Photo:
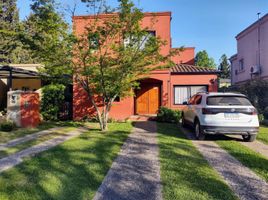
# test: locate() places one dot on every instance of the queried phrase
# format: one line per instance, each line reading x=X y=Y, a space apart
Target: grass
x=263 y=134
x=249 y=158
x=185 y=174
x=30 y=143
x=20 y=132
x=73 y=170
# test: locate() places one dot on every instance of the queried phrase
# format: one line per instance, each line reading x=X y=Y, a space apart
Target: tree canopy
x=12 y=50
x=202 y=59
x=49 y=39
x=224 y=67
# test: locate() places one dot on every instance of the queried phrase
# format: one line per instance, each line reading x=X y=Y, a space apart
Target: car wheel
x=249 y=138
x=183 y=124
x=199 y=134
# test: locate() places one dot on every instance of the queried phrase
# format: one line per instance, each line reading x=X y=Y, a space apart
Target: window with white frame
x=184 y=93
x=142 y=42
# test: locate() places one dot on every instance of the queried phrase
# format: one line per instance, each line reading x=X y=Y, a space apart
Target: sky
x=209 y=25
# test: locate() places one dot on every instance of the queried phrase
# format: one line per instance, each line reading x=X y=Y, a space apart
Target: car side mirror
x=185 y=103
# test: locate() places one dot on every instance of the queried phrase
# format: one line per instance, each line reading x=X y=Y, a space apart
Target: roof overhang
x=192 y=70
x=8 y=71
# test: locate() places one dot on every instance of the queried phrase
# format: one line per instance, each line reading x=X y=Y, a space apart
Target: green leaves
x=203 y=60
x=52 y=100
x=48 y=37
x=224 y=67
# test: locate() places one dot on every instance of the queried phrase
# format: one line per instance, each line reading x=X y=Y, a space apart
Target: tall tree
x=9 y=21
x=113 y=55
x=224 y=67
x=49 y=39
x=202 y=59
x=12 y=49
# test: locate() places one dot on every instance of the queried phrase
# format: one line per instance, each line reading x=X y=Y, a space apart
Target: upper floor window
x=241 y=65
x=140 y=42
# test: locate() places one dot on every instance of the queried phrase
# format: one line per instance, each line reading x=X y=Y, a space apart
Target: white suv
x=221 y=113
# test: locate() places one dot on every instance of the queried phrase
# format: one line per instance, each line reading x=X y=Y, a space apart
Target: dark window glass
x=228 y=101
x=241 y=64
x=117 y=99
x=198 y=99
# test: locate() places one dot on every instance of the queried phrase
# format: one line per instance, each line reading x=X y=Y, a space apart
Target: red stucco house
x=170 y=87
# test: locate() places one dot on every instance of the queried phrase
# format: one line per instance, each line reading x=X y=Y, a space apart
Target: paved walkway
x=27 y=138
x=245 y=183
x=135 y=174
x=15 y=159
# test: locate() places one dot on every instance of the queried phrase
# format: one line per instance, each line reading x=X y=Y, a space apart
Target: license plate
x=231 y=115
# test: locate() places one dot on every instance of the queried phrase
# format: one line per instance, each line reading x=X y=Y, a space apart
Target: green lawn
x=249 y=158
x=73 y=170
x=36 y=141
x=263 y=134
x=20 y=132
x=185 y=174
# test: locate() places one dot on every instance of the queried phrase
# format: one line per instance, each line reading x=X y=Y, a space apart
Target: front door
x=147 y=100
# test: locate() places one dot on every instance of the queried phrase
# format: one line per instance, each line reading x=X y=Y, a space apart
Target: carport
x=9 y=72
x=14 y=72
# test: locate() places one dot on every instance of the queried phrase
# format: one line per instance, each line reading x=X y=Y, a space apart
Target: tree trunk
x=106 y=114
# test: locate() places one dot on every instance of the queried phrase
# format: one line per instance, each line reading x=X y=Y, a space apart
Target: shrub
x=167 y=115
x=52 y=100
x=255 y=91
x=7 y=126
x=264 y=122
x=265 y=113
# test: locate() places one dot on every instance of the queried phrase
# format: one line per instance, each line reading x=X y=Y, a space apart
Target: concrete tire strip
x=244 y=182
x=14 y=159
x=135 y=173
x=27 y=138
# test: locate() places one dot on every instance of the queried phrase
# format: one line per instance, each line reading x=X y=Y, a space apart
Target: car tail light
x=253 y=111
x=208 y=111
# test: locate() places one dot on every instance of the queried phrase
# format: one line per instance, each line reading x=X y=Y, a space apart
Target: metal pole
x=10 y=79
x=259 y=40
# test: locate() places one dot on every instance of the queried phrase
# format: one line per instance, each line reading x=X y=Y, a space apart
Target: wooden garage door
x=147 y=101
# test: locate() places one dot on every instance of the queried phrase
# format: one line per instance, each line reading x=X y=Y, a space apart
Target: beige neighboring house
x=251 y=60
x=18 y=77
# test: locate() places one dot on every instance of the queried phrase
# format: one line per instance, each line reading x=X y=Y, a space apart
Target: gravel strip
x=14 y=159
x=245 y=183
x=135 y=174
x=27 y=138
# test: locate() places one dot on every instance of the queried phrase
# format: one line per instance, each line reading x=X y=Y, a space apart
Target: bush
x=167 y=115
x=52 y=100
x=254 y=90
x=264 y=122
x=7 y=126
x=265 y=113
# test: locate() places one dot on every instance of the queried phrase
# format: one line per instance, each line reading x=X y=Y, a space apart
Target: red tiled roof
x=190 y=69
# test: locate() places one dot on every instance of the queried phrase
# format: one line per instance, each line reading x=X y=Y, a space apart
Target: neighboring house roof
x=16 y=72
x=252 y=26
x=190 y=69
x=233 y=57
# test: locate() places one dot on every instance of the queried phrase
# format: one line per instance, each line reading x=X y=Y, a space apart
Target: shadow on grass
x=185 y=173
x=73 y=170
x=249 y=158
x=190 y=132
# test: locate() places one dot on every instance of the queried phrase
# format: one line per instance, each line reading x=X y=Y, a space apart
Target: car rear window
x=228 y=101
